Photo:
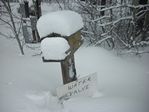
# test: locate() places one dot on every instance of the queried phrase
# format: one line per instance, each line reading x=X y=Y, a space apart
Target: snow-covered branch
x=102 y=40
x=123 y=42
x=116 y=21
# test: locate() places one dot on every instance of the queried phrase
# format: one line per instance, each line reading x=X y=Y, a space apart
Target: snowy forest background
x=112 y=24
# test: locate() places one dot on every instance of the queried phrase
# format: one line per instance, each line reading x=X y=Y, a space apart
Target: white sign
x=85 y=86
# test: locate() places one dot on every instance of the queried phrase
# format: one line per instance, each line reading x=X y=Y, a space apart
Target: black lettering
x=72 y=86
x=79 y=91
x=69 y=87
x=75 y=92
x=86 y=87
x=83 y=88
x=79 y=83
x=75 y=85
x=84 y=81
x=89 y=79
x=69 y=94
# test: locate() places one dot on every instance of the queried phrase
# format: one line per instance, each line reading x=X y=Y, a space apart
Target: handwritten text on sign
x=85 y=86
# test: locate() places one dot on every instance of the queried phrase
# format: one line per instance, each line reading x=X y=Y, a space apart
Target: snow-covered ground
x=29 y=85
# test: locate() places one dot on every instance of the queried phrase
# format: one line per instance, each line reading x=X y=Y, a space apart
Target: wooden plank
x=68 y=69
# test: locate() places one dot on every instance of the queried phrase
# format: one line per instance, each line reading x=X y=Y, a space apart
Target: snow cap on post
x=54 y=48
x=63 y=23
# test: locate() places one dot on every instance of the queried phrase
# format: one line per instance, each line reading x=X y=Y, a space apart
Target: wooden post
x=103 y=3
x=26 y=6
x=35 y=35
x=68 y=70
x=22 y=10
x=38 y=8
x=26 y=33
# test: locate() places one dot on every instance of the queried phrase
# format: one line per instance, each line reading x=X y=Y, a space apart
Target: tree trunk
x=8 y=8
x=103 y=3
x=143 y=2
x=135 y=2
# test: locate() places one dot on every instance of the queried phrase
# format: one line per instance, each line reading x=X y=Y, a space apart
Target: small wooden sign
x=85 y=86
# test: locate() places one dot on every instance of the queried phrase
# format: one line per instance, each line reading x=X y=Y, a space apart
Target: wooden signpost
x=68 y=64
x=72 y=37
x=66 y=45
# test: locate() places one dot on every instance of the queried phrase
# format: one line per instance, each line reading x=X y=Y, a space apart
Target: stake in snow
x=61 y=37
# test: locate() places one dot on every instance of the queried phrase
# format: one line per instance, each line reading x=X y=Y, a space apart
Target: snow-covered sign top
x=64 y=23
x=54 y=48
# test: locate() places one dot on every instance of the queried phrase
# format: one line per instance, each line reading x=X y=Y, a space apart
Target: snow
x=47 y=8
x=63 y=22
x=30 y=2
x=29 y=85
x=81 y=104
x=54 y=48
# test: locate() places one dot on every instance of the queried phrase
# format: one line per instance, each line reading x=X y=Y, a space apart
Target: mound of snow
x=54 y=48
x=64 y=23
x=103 y=104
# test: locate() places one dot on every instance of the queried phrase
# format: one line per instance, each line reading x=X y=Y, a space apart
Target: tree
x=143 y=2
x=11 y=23
x=103 y=3
x=142 y=21
x=112 y=23
x=141 y=16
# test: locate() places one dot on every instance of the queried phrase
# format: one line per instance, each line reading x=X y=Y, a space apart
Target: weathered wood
x=68 y=70
x=22 y=10
x=35 y=34
x=26 y=35
x=45 y=60
x=38 y=8
x=68 y=64
x=103 y=3
x=26 y=6
x=75 y=41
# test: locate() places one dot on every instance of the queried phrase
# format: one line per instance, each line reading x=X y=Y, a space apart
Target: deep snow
x=29 y=85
